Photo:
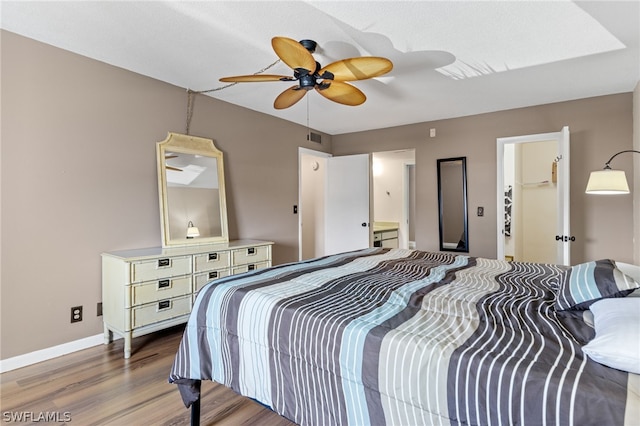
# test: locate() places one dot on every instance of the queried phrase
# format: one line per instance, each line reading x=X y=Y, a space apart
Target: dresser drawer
x=393 y=243
x=204 y=278
x=160 y=310
x=250 y=255
x=211 y=260
x=161 y=289
x=385 y=235
x=250 y=267
x=163 y=267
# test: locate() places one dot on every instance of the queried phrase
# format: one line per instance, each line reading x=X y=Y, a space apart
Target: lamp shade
x=192 y=231
x=607 y=182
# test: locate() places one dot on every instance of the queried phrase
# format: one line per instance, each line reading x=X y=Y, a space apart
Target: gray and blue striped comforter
x=401 y=337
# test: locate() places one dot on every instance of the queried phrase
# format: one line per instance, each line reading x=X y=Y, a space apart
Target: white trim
x=50 y=353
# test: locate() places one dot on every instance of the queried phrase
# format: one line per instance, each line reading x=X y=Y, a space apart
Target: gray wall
x=78 y=177
x=78 y=174
x=600 y=127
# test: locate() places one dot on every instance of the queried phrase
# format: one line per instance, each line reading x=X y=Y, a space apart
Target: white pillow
x=617 y=341
x=633 y=271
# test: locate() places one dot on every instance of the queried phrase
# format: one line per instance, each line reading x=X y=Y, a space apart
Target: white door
x=347 y=203
x=564 y=236
x=559 y=166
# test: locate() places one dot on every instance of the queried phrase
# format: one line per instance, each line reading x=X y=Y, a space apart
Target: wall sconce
x=192 y=231
x=608 y=181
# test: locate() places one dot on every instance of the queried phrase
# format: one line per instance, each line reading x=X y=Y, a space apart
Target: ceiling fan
x=168 y=167
x=330 y=81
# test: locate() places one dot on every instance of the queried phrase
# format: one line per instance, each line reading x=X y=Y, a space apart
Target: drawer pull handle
x=164 y=263
x=213 y=274
x=164 y=284
x=165 y=304
x=213 y=256
x=251 y=267
x=251 y=251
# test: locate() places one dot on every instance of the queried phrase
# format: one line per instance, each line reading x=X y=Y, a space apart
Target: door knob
x=364 y=224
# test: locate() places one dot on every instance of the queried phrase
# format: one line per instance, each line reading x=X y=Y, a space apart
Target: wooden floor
x=97 y=386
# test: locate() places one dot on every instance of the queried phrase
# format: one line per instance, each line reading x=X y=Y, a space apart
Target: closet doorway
x=394 y=193
x=376 y=189
x=533 y=198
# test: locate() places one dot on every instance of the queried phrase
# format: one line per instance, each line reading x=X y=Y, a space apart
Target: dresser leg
x=108 y=335
x=127 y=345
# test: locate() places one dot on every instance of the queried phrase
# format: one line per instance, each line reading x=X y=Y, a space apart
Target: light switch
x=480 y=211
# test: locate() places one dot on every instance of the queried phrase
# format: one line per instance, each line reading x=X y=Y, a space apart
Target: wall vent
x=314 y=137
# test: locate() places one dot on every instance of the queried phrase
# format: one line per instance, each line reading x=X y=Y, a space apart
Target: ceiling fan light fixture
x=310 y=45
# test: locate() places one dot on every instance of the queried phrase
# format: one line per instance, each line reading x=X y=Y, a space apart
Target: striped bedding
x=401 y=337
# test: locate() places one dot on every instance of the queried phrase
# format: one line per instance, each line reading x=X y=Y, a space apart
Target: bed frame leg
x=195 y=408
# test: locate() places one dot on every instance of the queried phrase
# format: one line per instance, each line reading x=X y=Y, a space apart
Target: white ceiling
x=451 y=59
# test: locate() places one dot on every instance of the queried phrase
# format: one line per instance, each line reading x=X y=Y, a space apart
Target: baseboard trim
x=50 y=353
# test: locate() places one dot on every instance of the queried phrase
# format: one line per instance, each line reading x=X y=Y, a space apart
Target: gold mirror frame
x=188 y=193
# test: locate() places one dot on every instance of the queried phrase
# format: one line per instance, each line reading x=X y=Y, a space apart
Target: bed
x=407 y=337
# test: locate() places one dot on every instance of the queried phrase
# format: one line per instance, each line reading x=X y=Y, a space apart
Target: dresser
x=150 y=289
x=385 y=234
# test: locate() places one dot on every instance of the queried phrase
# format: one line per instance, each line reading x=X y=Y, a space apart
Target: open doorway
x=394 y=198
x=390 y=175
x=533 y=196
x=311 y=181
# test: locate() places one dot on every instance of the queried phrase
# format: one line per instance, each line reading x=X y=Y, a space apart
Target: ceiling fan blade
x=342 y=93
x=289 y=97
x=166 y=157
x=256 y=78
x=173 y=168
x=358 y=68
x=293 y=53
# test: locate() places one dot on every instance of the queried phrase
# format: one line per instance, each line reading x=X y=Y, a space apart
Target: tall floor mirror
x=452 y=202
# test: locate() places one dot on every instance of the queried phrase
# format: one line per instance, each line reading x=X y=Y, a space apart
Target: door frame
x=562 y=137
x=406 y=216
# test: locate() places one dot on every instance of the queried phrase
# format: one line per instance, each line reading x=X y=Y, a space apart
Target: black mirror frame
x=463 y=245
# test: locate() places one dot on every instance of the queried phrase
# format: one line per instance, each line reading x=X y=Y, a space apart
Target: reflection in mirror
x=192 y=194
x=452 y=201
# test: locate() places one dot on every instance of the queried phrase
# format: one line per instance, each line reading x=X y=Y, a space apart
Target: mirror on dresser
x=452 y=202
x=192 y=191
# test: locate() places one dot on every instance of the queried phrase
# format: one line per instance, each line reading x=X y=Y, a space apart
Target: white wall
x=311 y=208
x=538 y=202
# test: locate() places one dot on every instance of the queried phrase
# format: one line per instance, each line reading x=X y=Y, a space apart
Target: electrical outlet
x=99 y=309
x=76 y=314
